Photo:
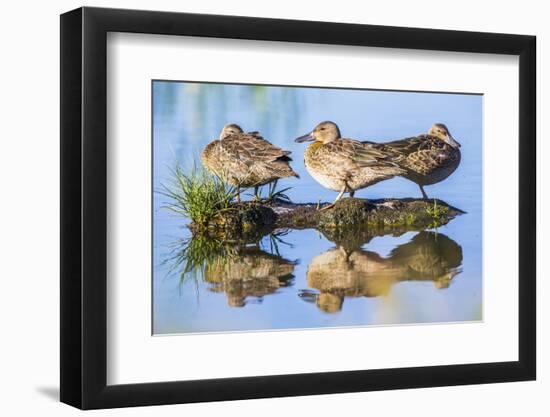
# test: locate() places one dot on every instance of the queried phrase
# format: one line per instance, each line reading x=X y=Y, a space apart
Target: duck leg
x=339 y=196
x=238 y=196
x=337 y=199
x=351 y=193
x=424 y=195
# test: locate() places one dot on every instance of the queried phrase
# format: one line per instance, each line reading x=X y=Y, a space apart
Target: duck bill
x=306 y=138
x=451 y=141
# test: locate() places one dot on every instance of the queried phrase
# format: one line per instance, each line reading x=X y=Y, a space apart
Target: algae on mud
x=250 y=220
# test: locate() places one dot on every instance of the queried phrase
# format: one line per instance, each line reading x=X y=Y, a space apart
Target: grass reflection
x=243 y=270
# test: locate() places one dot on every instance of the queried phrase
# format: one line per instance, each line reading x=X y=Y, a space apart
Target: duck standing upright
x=426 y=159
x=346 y=165
x=246 y=159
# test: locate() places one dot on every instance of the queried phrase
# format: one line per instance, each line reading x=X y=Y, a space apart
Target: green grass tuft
x=198 y=195
x=438 y=215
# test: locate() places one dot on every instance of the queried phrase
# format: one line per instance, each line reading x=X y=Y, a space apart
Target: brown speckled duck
x=426 y=159
x=346 y=165
x=246 y=159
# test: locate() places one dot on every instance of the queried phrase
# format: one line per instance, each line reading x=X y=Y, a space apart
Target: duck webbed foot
x=328 y=206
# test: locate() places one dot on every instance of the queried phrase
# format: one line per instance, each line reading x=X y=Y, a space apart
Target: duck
x=246 y=160
x=427 y=158
x=343 y=164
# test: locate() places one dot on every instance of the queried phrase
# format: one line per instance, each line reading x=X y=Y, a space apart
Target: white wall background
x=29 y=220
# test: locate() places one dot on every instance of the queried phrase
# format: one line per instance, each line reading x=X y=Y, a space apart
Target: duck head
x=324 y=132
x=230 y=129
x=440 y=131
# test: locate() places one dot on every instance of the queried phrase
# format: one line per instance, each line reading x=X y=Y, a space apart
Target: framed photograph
x=255 y=208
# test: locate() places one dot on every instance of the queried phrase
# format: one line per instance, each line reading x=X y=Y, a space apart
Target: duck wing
x=252 y=147
x=422 y=153
x=403 y=147
x=346 y=157
x=369 y=154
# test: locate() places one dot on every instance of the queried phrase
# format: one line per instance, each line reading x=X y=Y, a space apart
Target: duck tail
x=289 y=172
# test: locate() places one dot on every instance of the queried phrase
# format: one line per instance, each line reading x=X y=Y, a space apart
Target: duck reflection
x=353 y=272
x=243 y=270
x=250 y=272
x=429 y=256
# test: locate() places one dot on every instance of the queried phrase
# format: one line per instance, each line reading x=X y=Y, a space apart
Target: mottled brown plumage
x=346 y=165
x=426 y=159
x=246 y=159
x=250 y=272
x=339 y=273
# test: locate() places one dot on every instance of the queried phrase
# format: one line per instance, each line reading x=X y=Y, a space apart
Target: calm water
x=301 y=279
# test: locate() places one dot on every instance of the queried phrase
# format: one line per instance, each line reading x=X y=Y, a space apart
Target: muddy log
x=252 y=220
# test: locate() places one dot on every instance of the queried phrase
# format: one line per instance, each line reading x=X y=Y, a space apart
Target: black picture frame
x=84 y=207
